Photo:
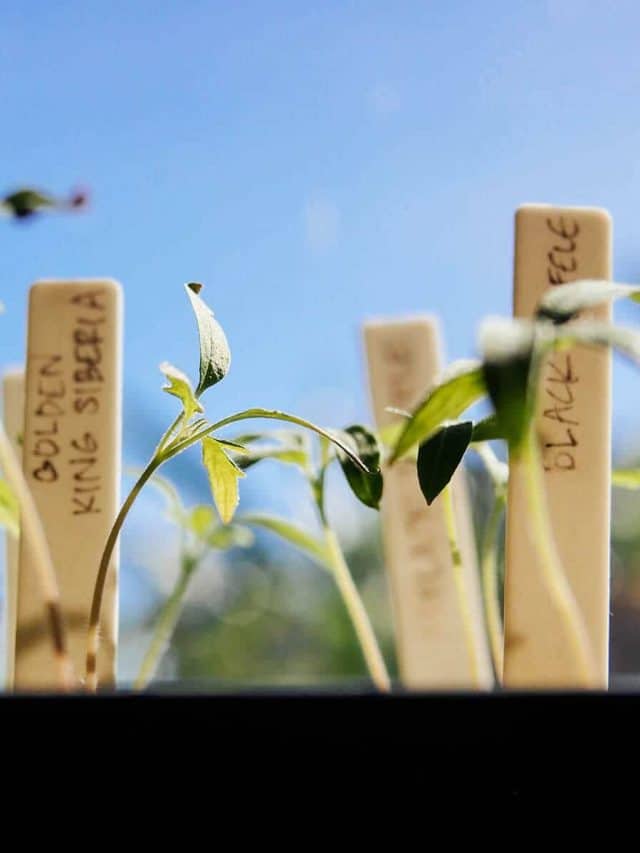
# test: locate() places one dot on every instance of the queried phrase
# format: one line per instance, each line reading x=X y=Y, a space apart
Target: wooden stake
x=555 y=245
x=434 y=649
x=72 y=463
x=13 y=415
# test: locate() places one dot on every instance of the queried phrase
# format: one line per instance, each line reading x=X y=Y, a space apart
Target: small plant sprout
x=190 y=428
x=512 y=352
x=200 y=533
x=293 y=448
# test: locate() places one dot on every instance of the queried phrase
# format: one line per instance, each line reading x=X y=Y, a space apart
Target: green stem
x=461 y=587
x=357 y=612
x=489 y=568
x=166 y=623
x=552 y=570
x=93 y=639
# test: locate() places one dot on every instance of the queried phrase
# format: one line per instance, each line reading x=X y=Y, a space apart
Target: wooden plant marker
x=404 y=360
x=71 y=457
x=555 y=245
x=13 y=416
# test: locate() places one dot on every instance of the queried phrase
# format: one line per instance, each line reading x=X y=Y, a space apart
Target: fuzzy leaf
x=439 y=457
x=367 y=487
x=291 y=533
x=460 y=387
x=9 y=509
x=561 y=304
x=223 y=478
x=215 y=355
x=626 y=478
x=180 y=386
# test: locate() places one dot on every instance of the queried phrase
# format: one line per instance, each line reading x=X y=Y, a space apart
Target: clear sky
x=313 y=163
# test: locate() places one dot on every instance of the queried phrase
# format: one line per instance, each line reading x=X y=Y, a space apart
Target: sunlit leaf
x=215 y=355
x=461 y=386
x=439 y=457
x=226 y=536
x=291 y=533
x=561 y=304
x=180 y=386
x=223 y=478
x=9 y=509
x=366 y=486
x=626 y=478
x=201 y=519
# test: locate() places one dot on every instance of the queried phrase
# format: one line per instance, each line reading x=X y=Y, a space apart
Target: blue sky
x=313 y=163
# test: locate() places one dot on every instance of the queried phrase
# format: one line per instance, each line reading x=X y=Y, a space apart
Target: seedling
x=190 y=428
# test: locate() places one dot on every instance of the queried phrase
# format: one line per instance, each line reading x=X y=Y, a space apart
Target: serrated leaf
x=488 y=429
x=367 y=487
x=626 y=478
x=215 y=355
x=9 y=509
x=226 y=536
x=461 y=386
x=562 y=303
x=223 y=478
x=291 y=533
x=180 y=386
x=439 y=457
x=274 y=414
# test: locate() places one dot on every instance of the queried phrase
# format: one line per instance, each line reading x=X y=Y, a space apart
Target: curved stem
x=461 y=587
x=35 y=539
x=93 y=636
x=553 y=574
x=359 y=617
x=166 y=623
x=489 y=569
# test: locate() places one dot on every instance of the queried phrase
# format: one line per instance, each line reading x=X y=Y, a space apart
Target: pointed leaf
x=9 y=509
x=626 y=478
x=291 y=533
x=180 y=386
x=223 y=478
x=461 y=386
x=366 y=486
x=562 y=303
x=215 y=355
x=439 y=457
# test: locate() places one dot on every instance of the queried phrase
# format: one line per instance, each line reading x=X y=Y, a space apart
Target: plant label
x=71 y=458
x=404 y=360
x=555 y=245
x=13 y=415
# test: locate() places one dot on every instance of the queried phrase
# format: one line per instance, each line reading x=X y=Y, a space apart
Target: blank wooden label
x=554 y=246
x=71 y=459
x=404 y=360
x=13 y=416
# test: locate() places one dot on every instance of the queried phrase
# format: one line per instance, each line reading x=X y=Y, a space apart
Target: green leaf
x=215 y=355
x=439 y=457
x=488 y=429
x=562 y=303
x=9 y=509
x=367 y=487
x=461 y=386
x=226 y=536
x=273 y=414
x=200 y=520
x=223 y=478
x=291 y=533
x=180 y=386
x=626 y=478
x=507 y=349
